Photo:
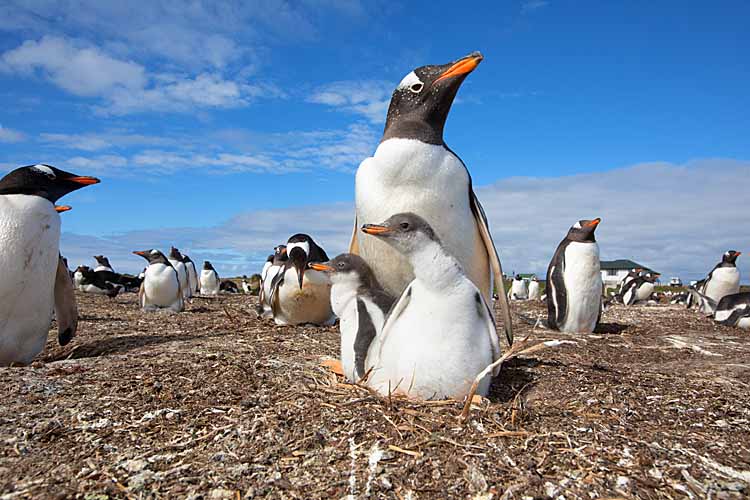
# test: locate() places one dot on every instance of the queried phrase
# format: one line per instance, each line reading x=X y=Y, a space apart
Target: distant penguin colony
x=413 y=295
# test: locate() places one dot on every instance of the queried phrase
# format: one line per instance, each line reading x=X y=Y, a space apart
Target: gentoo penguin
x=209 y=279
x=440 y=334
x=78 y=277
x=574 y=281
x=175 y=258
x=298 y=294
x=66 y=309
x=632 y=274
x=94 y=282
x=103 y=264
x=245 y=284
x=413 y=170
x=534 y=289
x=228 y=286
x=274 y=264
x=161 y=288
x=731 y=310
x=639 y=289
x=192 y=275
x=29 y=257
x=519 y=290
x=724 y=279
x=361 y=305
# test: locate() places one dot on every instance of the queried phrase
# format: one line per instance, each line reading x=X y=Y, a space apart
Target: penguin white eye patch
x=305 y=246
x=45 y=170
x=412 y=82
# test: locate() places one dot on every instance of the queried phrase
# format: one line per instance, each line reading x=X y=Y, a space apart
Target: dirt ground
x=213 y=403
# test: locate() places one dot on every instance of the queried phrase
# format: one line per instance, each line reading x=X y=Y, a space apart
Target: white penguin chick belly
x=724 y=281
x=161 y=289
x=440 y=334
x=209 y=283
x=29 y=246
x=406 y=175
x=310 y=304
x=583 y=283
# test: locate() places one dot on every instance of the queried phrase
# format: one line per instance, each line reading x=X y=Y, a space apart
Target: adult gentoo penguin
x=440 y=334
x=574 y=282
x=731 y=310
x=175 y=258
x=273 y=265
x=29 y=257
x=519 y=290
x=413 y=170
x=639 y=289
x=161 y=288
x=298 y=294
x=209 y=279
x=724 y=279
x=192 y=275
x=361 y=305
x=534 y=289
x=102 y=264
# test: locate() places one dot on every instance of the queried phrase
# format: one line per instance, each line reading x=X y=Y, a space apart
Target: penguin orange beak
x=62 y=208
x=84 y=180
x=142 y=253
x=738 y=254
x=376 y=229
x=594 y=222
x=462 y=66
x=321 y=267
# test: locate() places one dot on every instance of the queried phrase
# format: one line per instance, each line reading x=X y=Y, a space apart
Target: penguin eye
x=404 y=225
x=340 y=265
x=417 y=87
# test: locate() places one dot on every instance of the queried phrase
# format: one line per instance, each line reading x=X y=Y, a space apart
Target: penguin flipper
x=354 y=242
x=497 y=268
x=557 y=297
x=66 y=310
x=365 y=334
x=735 y=317
x=276 y=282
x=631 y=288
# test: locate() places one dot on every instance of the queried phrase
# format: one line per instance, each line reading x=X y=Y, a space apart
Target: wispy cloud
x=10 y=135
x=368 y=98
x=677 y=219
x=532 y=5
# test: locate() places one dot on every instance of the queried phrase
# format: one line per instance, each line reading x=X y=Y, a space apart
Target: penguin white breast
x=519 y=289
x=29 y=246
x=310 y=304
x=161 y=285
x=724 y=281
x=209 y=282
x=534 y=290
x=644 y=291
x=583 y=285
x=407 y=175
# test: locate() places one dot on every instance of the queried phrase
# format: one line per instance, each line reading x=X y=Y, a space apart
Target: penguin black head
x=730 y=257
x=350 y=268
x=405 y=231
x=421 y=102
x=583 y=231
x=279 y=253
x=301 y=249
x=175 y=254
x=651 y=277
x=207 y=266
x=518 y=277
x=43 y=180
x=102 y=260
x=186 y=259
x=153 y=256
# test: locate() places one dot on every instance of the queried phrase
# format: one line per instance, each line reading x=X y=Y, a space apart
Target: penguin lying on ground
x=30 y=258
x=731 y=310
x=361 y=305
x=210 y=281
x=724 y=279
x=298 y=294
x=161 y=288
x=228 y=286
x=639 y=289
x=440 y=334
x=90 y=281
x=102 y=264
x=413 y=170
x=274 y=264
x=519 y=290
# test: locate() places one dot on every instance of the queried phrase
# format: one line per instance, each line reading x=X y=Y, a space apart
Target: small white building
x=613 y=271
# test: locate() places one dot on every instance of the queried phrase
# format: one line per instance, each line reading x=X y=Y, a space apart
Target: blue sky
x=224 y=127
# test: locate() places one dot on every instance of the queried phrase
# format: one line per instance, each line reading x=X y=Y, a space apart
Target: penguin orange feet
x=333 y=365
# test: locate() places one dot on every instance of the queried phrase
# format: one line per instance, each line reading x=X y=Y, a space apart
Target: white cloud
x=10 y=135
x=368 y=98
x=676 y=219
x=531 y=5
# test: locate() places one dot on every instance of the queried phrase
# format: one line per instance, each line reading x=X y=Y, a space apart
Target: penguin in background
x=731 y=310
x=273 y=265
x=90 y=281
x=209 y=279
x=440 y=334
x=518 y=289
x=192 y=275
x=639 y=289
x=724 y=279
x=632 y=274
x=66 y=308
x=413 y=170
x=245 y=285
x=574 y=283
x=102 y=264
x=30 y=258
x=175 y=259
x=298 y=294
x=534 y=288
x=361 y=305
x=161 y=287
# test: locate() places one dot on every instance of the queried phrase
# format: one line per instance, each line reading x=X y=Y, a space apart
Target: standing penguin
x=161 y=288
x=519 y=290
x=274 y=264
x=210 y=281
x=29 y=256
x=534 y=289
x=192 y=275
x=175 y=258
x=413 y=170
x=361 y=305
x=440 y=334
x=724 y=279
x=298 y=294
x=102 y=264
x=574 y=281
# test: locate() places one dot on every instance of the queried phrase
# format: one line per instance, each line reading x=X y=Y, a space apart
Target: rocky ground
x=213 y=403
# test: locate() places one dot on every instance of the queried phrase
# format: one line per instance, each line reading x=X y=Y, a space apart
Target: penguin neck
x=402 y=128
x=434 y=267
